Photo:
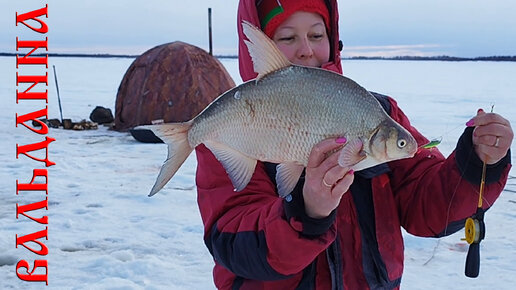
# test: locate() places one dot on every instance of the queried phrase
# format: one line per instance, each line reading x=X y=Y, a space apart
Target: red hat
x=273 y=12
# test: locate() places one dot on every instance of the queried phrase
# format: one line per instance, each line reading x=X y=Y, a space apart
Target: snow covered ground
x=105 y=233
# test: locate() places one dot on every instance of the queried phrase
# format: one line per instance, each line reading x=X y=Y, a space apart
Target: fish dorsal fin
x=265 y=54
x=239 y=167
x=287 y=176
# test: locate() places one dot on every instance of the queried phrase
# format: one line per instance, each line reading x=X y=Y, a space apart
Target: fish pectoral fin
x=351 y=153
x=287 y=176
x=265 y=54
x=239 y=167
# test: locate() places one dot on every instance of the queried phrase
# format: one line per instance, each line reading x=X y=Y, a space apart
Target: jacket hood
x=247 y=11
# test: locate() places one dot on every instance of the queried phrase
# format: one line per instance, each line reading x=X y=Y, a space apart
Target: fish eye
x=402 y=143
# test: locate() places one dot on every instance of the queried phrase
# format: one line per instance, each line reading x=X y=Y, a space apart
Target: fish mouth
x=411 y=141
x=414 y=151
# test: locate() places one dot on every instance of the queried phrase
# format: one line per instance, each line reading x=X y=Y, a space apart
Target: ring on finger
x=497 y=142
x=326 y=184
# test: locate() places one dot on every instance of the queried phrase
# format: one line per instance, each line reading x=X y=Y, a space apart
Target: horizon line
x=400 y=57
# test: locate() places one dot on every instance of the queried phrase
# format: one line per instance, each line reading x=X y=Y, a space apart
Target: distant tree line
x=97 y=55
x=441 y=58
x=438 y=58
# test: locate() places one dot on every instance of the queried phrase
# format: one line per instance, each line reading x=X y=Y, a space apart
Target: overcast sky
x=465 y=28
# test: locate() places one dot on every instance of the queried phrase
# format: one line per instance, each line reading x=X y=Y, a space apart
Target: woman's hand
x=492 y=136
x=325 y=181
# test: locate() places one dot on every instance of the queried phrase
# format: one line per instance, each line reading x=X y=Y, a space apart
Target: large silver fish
x=279 y=117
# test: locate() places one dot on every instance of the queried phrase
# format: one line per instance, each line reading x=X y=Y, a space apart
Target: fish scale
x=279 y=117
x=287 y=118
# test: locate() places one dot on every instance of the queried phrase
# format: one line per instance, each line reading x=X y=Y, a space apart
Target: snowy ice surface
x=105 y=233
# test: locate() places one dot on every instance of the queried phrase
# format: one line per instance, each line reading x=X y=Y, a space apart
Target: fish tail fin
x=175 y=135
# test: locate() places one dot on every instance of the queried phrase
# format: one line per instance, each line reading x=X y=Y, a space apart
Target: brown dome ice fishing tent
x=172 y=82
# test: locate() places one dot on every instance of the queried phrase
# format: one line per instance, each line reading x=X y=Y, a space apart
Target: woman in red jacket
x=341 y=229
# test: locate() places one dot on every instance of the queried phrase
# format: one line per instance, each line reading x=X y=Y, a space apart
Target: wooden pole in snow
x=209 y=31
x=58 y=97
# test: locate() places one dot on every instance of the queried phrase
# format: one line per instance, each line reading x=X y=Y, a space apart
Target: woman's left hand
x=492 y=136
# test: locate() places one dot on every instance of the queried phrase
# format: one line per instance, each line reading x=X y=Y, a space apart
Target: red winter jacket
x=260 y=241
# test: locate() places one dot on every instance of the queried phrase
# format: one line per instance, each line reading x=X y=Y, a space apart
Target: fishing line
x=448 y=214
x=483 y=199
x=437 y=140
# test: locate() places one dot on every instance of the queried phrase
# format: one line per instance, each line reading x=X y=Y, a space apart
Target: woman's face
x=303 y=39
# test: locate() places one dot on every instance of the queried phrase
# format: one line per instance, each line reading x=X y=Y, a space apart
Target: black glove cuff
x=470 y=165
x=295 y=212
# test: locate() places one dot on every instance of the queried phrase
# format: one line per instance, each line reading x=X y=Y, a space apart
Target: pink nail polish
x=470 y=123
x=341 y=140
x=351 y=172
